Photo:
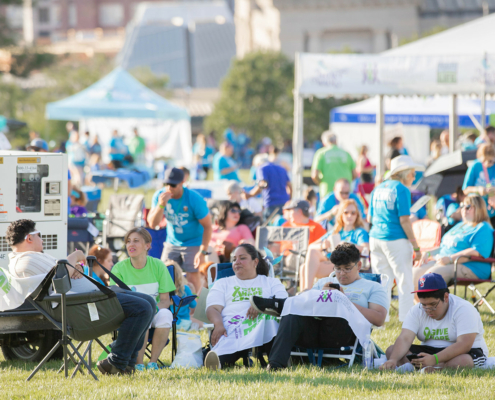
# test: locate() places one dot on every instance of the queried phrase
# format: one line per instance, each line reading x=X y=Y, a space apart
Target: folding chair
x=79 y=316
x=316 y=355
x=428 y=234
x=177 y=303
x=299 y=237
x=478 y=298
x=124 y=213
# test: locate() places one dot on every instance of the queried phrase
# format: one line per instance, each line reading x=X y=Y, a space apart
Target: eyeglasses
x=466 y=206
x=33 y=233
x=172 y=185
x=350 y=212
x=344 y=193
x=344 y=270
x=235 y=210
x=432 y=308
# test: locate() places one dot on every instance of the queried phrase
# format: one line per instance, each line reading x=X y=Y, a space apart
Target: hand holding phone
x=411 y=357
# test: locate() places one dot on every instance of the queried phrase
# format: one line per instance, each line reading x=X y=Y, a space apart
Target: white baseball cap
x=401 y=163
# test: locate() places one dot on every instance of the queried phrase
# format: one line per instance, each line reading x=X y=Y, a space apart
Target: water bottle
x=368 y=353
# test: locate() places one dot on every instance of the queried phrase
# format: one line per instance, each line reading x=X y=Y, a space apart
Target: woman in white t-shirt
x=238 y=326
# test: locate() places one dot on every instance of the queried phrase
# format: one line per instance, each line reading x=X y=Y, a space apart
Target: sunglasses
x=235 y=210
x=350 y=212
x=172 y=185
x=33 y=233
x=467 y=207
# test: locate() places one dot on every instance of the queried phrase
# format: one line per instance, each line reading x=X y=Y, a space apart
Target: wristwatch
x=205 y=253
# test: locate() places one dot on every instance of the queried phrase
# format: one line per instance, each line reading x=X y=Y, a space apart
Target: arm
x=375 y=314
x=463 y=344
x=289 y=189
x=254 y=192
x=214 y=314
x=228 y=170
x=315 y=175
x=74 y=259
x=459 y=255
x=401 y=348
x=155 y=215
x=405 y=222
x=199 y=258
x=164 y=301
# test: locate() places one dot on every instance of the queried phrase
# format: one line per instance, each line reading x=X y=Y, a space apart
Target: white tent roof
x=472 y=38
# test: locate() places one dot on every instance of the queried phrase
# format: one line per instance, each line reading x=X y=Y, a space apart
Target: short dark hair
x=262 y=268
x=489 y=128
x=17 y=231
x=345 y=254
x=437 y=294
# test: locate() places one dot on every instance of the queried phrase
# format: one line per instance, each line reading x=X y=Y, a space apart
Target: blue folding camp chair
x=316 y=355
x=177 y=303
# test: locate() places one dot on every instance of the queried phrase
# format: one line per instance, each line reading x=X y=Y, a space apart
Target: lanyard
x=176 y=211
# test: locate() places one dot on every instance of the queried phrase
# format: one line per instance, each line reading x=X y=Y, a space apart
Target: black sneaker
x=271 y=306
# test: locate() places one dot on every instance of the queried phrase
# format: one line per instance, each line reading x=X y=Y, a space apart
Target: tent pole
x=483 y=112
x=298 y=135
x=380 y=124
x=453 y=123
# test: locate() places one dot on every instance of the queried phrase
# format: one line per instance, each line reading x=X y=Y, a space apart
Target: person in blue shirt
x=480 y=178
x=488 y=137
x=118 y=150
x=329 y=206
x=188 y=224
x=203 y=151
x=447 y=210
x=471 y=237
x=274 y=184
x=392 y=241
x=224 y=167
x=104 y=257
x=349 y=227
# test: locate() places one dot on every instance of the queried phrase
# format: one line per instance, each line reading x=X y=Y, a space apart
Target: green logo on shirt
x=242 y=294
x=436 y=334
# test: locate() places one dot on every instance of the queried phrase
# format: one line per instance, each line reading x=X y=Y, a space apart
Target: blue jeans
x=139 y=310
x=268 y=211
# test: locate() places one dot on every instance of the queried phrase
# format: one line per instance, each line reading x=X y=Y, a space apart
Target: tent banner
x=365 y=74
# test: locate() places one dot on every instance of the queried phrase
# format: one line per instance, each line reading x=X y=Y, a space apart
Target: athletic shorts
x=479 y=358
x=184 y=256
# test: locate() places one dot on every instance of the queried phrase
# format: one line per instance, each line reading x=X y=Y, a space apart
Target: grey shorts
x=184 y=256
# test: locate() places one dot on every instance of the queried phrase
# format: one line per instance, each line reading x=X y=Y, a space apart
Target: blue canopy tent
x=119 y=101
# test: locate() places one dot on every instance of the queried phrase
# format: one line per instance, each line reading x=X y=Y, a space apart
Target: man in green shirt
x=330 y=164
x=137 y=146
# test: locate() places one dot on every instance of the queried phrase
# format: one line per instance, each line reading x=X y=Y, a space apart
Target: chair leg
x=47 y=357
x=71 y=358
x=78 y=366
x=83 y=361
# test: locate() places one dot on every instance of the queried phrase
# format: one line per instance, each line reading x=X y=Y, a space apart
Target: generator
x=34 y=186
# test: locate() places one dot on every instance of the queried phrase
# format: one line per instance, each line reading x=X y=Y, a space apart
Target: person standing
x=188 y=224
x=224 y=167
x=274 y=184
x=137 y=147
x=330 y=164
x=203 y=152
x=76 y=153
x=392 y=241
x=118 y=150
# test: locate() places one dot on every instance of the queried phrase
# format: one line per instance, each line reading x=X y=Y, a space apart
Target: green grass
x=239 y=383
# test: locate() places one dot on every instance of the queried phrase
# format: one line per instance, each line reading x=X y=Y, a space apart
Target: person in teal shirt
x=224 y=167
x=188 y=224
x=203 y=151
x=349 y=226
x=480 y=178
x=473 y=236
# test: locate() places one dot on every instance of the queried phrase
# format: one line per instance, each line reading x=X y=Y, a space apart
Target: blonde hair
x=178 y=278
x=339 y=220
x=480 y=211
x=485 y=152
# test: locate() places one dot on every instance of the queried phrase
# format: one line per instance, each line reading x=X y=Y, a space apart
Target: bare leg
x=160 y=337
x=310 y=267
x=194 y=278
x=140 y=357
x=464 y=360
x=402 y=361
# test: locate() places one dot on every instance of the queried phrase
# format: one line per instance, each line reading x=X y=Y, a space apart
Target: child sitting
x=78 y=203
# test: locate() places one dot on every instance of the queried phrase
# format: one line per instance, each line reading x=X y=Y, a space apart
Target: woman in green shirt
x=149 y=275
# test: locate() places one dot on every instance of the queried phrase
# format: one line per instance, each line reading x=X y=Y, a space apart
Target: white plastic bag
x=189 y=354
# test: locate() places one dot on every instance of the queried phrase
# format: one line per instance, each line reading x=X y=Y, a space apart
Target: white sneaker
x=212 y=361
x=408 y=367
x=430 y=370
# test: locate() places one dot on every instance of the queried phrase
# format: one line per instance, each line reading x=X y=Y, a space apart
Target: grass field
x=254 y=383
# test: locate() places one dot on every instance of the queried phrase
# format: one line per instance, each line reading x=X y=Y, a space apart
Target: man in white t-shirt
x=449 y=328
x=27 y=259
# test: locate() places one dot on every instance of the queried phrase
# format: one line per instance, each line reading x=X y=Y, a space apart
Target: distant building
x=362 y=26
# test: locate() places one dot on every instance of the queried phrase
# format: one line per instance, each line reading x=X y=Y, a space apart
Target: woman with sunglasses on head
x=350 y=227
x=480 y=178
x=228 y=233
x=473 y=236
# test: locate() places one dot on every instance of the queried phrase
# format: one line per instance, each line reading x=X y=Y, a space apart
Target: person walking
x=392 y=241
x=330 y=164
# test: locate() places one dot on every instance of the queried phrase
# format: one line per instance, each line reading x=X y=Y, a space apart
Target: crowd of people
x=349 y=235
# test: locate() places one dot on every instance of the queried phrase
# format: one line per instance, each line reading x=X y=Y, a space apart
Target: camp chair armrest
x=489 y=260
x=185 y=300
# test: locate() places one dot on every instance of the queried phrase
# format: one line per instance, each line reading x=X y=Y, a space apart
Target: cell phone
x=334 y=285
x=411 y=357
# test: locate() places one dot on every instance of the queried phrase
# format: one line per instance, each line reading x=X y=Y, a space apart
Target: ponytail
x=262 y=268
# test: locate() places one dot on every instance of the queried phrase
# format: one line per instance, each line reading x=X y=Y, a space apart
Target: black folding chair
x=79 y=316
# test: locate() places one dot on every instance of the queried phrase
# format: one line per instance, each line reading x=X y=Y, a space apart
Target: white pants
x=395 y=259
x=163 y=319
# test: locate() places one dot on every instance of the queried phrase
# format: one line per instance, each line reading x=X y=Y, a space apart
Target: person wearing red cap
x=449 y=328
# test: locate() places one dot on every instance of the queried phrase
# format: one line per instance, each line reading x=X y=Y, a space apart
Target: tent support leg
x=297 y=138
x=453 y=123
x=380 y=124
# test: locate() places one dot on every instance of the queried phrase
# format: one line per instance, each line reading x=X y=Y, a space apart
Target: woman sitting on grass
x=350 y=227
x=149 y=275
x=473 y=236
x=238 y=327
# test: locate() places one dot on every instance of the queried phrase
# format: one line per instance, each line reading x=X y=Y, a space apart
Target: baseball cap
x=430 y=283
x=173 y=176
x=301 y=204
x=38 y=144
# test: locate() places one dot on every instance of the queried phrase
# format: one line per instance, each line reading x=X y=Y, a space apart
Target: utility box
x=34 y=186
